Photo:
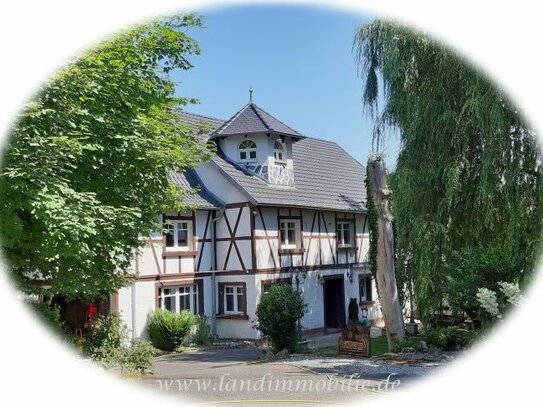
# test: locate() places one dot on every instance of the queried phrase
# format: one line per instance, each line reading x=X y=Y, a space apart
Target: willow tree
x=467 y=190
x=86 y=170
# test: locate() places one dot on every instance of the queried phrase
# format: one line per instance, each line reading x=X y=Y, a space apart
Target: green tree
x=277 y=314
x=468 y=178
x=86 y=170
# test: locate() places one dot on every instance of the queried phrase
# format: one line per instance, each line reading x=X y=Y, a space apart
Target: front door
x=334 y=303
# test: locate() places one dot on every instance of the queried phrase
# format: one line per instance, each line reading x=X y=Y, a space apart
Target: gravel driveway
x=403 y=368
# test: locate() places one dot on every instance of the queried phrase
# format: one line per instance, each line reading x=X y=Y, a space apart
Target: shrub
x=277 y=313
x=50 y=315
x=202 y=336
x=130 y=360
x=139 y=357
x=449 y=338
x=168 y=329
x=105 y=336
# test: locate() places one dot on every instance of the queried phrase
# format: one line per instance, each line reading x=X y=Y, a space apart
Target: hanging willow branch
x=468 y=177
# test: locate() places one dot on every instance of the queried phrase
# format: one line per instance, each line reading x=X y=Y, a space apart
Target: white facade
x=219 y=262
x=241 y=246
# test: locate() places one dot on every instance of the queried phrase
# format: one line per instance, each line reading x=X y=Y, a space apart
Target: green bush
x=139 y=357
x=168 y=329
x=449 y=338
x=50 y=315
x=132 y=360
x=106 y=335
x=203 y=335
x=277 y=314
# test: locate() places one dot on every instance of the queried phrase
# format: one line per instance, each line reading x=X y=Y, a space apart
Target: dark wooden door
x=334 y=303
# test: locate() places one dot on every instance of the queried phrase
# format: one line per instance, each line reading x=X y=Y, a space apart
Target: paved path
x=231 y=376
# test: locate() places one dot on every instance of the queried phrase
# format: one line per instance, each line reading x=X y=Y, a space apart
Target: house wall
x=264 y=147
x=135 y=303
x=247 y=250
x=319 y=239
x=215 y=181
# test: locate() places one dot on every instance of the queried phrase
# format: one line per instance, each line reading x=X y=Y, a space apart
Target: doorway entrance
x=334 y=303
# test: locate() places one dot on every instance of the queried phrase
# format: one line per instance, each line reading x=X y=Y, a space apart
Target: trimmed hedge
x=277 y=315
x=168 y=329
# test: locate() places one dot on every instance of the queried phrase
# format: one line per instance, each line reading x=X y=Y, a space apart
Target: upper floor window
x=178 y=234
x=344 y=234
x=278 y=151
x=289 y=230
x=247 y=150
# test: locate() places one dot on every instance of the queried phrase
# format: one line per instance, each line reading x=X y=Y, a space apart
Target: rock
x=423 y=347
x=266 y=354
x=282 y=354
x=412 y=328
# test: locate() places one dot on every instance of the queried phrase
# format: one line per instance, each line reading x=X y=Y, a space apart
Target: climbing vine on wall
x=372 y=225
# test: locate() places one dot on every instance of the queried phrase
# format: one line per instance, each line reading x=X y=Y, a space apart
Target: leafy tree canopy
x=468 y=181
x=86 y=170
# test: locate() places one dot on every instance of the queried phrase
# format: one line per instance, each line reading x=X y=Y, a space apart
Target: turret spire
x=251 y=94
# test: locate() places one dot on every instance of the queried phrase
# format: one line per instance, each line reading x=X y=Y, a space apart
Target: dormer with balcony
x=259 y=143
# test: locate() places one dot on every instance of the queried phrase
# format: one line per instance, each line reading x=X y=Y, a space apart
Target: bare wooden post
x=386 y=276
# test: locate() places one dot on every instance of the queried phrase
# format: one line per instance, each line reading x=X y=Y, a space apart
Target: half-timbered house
x=272 y=206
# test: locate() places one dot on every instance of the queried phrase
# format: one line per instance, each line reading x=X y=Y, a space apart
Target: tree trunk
x=385 y=274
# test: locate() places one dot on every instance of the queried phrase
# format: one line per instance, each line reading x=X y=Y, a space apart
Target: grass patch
x=326 y=350
x=378 y=346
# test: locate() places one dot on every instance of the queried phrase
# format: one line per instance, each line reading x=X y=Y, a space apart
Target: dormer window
x=247 y=150
x=278 y=151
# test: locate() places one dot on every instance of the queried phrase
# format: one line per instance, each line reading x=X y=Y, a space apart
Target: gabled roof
x=325 y=177
x=198 y=119
x=202 y=198
x=252 y=119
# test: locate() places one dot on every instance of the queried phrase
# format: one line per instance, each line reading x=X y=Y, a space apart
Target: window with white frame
x=344 y=234
x=234 y=299
x=247 y=150
x=278 y=151
x=178 y=234
x=289 y=231
x=177 y=299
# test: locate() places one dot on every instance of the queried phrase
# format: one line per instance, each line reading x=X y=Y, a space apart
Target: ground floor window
x=365 y=288
x=177 y=299
x=267 y=284
x=232 y=298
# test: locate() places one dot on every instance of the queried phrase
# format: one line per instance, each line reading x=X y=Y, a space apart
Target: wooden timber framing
x=318 y=245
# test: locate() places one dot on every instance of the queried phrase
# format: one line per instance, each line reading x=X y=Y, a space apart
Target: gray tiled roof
x=252 y=119
x=325 y=176
x=197 y=119
x=202 y=198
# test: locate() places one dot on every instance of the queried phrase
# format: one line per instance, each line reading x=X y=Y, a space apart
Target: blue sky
x=299 y=62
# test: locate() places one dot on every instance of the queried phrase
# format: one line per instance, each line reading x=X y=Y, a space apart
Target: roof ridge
x=280 y=121
x=228 y=122
x=201 y=115
x=203 y=188
x=254 y=107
